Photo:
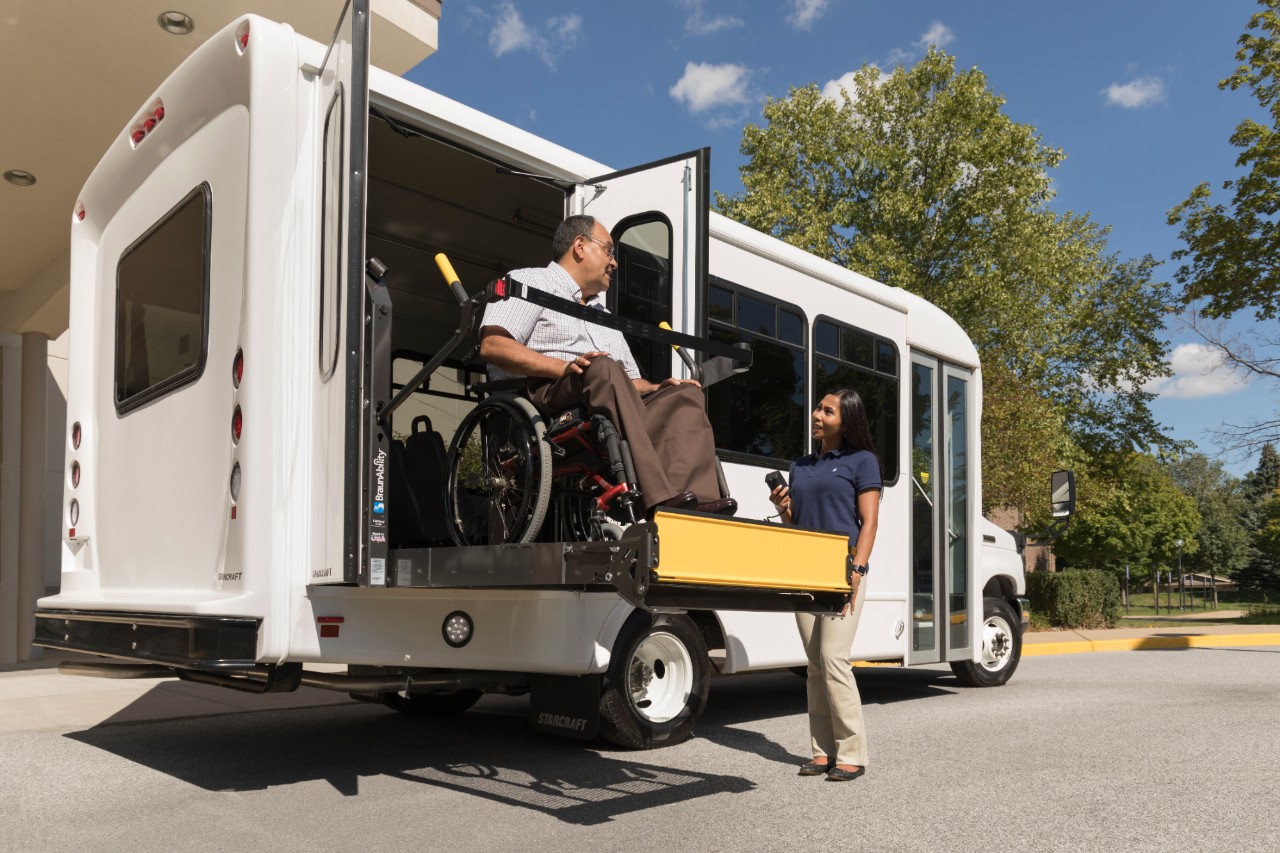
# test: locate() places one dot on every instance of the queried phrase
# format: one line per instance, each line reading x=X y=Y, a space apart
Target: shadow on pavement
x=488 y=752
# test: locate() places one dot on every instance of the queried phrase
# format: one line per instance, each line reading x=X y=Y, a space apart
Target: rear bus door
x=349 y=444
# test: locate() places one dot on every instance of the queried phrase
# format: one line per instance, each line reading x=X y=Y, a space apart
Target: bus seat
x=404 y=516
x=425 y=458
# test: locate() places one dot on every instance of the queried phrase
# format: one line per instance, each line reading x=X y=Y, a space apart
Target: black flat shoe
x=815 y=768
x=835 y=774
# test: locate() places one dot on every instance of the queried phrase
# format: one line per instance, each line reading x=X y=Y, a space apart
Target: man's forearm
x=514 y=357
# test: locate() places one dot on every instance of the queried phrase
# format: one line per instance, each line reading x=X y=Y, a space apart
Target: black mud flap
x=565 y=705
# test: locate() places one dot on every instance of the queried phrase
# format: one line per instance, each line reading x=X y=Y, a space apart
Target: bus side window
x=643 y=289
x=848 y=357
x=758 y=415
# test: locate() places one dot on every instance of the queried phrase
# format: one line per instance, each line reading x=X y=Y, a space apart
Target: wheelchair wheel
x=499 y=474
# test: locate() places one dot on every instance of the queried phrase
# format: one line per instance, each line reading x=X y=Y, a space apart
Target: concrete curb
x=1072 y=643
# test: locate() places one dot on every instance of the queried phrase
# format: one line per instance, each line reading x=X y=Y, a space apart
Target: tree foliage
x=919 y=179
x=1232 y=253
x=1261 y=494
x=1224 y=533
x=1130 y=512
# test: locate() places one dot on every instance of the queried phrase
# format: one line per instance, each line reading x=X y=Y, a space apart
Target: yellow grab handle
x=446 y=268
x=451 y=278
x=665 y=325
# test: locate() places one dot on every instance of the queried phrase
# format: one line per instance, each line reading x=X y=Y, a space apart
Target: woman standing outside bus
x=837 y=487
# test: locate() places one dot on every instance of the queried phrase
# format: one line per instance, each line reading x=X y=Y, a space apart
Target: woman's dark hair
x=853 y=419
x=569 y=231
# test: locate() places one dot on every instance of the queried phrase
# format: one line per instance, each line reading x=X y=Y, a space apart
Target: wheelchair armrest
x=515 y=386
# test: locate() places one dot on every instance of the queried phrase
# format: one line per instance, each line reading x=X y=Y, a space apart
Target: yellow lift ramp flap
x=708 y=561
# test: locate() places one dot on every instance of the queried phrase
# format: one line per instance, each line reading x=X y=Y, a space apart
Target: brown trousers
x=671 y=442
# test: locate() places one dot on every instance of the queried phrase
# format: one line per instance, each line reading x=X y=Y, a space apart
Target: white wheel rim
x=997 y=644
x=659 y=677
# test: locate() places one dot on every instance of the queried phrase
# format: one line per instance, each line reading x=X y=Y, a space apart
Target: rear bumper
x=193 y=642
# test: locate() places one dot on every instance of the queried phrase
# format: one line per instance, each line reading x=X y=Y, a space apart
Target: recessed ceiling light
x=20 y=177
x=178 y=23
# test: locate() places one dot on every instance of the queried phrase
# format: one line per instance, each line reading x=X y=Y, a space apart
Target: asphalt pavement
x=35 y=696
x=1155 y=751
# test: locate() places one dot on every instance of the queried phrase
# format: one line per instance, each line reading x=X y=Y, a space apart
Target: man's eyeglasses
x=609 y=249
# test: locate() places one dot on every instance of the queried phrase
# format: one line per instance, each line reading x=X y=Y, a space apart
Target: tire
x=1001 y=647
x=432 y=704
x=499 y=474
x=656 y=687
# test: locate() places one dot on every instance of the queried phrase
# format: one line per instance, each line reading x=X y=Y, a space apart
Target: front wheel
x=1001 y=647
x=657 y=683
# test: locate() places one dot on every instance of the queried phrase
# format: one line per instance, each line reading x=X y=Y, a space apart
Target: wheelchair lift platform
x=682 y=560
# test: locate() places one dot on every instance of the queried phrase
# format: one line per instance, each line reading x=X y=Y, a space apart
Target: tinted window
x=162 y=298
x=761 y=412
x=877 y=386
x=644 y=288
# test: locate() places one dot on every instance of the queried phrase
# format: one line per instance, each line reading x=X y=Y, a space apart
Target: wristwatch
x=862 y=570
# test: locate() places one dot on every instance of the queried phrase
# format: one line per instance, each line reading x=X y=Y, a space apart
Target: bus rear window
x=162 y=303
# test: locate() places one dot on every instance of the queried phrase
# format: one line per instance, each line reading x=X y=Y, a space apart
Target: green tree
x=1231 y=257
x=1232 y=252
x=919 y=179
x=1027 y=437
x=1260 y=490
x=1129 y=512
x=1224 y=534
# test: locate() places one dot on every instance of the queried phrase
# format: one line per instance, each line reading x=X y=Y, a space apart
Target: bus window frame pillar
x=22 y=592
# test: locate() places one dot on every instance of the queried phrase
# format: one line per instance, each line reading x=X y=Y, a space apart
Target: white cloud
x=1198 y=371
x=938 y=35
x=831 y=90
x=845 y=81
x=700 y=23
x=1140 y=92
x=510 y=33
x=805 y=12
x=705 y=86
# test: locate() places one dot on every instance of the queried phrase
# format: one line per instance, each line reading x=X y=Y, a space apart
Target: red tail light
x=242 y=37
x=75 y=436
x=237 y=368
x=237 y=422
x=75 y=474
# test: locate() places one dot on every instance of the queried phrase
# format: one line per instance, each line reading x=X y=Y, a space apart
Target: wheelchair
x=515 y=476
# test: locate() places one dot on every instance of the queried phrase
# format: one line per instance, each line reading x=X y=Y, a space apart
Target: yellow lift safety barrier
x=709 y=550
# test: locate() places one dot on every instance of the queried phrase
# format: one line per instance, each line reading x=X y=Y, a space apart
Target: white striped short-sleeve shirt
x=550 y=332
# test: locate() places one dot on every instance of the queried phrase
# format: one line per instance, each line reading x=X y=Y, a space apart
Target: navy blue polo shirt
x=825 y=489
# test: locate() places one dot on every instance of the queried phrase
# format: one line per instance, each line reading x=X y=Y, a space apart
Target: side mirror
x=1062 y=497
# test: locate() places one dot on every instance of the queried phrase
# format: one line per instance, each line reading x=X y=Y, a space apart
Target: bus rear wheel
x=657 y=682
x=1001 y=647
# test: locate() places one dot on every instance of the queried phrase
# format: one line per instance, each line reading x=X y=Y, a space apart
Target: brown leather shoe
x=682 y=500
x=723 y=506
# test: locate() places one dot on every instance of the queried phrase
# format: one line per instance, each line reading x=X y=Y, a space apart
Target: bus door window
x=643 y=287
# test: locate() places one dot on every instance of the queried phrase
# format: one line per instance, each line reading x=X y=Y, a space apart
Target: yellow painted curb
x=1128 y=644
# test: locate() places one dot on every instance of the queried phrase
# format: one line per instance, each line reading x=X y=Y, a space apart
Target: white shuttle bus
x=282 y=451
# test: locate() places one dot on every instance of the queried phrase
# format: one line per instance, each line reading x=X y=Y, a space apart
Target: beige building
x=75 y=71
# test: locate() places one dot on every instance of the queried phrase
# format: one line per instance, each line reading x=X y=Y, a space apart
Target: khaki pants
x=835 y=708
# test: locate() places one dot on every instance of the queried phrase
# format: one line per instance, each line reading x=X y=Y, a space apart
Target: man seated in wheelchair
x=569 y=362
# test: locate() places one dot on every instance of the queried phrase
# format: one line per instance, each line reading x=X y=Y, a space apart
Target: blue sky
x=1127 y=88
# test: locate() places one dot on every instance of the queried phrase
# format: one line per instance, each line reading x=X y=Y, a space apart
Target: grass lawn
x=1141 y=605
